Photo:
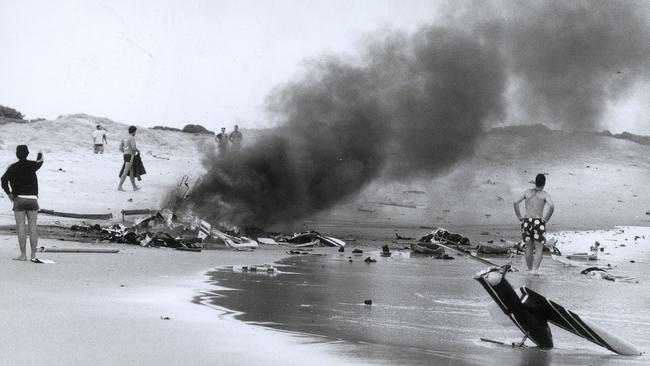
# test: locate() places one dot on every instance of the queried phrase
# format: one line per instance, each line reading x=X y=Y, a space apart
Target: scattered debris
x=310 y=238
x=385 y=251
x=427 y=248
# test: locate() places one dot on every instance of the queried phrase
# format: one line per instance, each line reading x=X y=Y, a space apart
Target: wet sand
x=427 y=311
x=109 y=309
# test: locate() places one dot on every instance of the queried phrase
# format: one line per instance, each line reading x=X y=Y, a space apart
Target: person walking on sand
x=222 y=142
x=129 y=149
x=99 y=139
x=533 y=224
x=235 y=139
x=21 y=185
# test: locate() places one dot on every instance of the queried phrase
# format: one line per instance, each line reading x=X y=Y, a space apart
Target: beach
x=150 y=306
x=112 y=309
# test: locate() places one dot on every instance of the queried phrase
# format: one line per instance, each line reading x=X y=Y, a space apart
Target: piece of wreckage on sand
x=309 y=239
x=163 y=229
x=190 y=233
x=460 y=242
x=531 y=313
x=430 y=244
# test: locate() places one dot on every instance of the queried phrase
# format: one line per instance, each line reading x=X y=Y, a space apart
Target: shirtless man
x=533 y=224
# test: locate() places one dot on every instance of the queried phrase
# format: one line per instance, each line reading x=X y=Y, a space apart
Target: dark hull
x=526 y=316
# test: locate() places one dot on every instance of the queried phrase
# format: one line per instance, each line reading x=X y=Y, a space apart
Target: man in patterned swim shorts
x=533 y=224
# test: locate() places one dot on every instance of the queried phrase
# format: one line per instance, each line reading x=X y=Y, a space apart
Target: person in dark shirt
x=21 y=185
x=222 y=142
x=235 y=139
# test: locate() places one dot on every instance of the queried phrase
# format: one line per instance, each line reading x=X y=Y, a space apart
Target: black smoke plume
x=415 y=104
x=410 y=105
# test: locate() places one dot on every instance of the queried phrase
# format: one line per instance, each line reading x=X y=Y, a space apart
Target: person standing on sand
x=129 y=149
x=99 y=139
x=222 y=142
x=533 y=224
x=235 y=139
x=21 y=185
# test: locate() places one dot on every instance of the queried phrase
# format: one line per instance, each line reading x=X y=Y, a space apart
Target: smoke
x=568 y=59
x=415 y=104
x=408 y=105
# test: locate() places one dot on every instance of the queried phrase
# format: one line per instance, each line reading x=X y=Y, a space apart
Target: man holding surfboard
x=533 y=224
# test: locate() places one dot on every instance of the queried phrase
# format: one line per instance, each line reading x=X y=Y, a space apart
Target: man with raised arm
x=533 y=224
x=21 y=186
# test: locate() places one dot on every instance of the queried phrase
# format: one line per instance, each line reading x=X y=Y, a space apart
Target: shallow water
x=426 y=311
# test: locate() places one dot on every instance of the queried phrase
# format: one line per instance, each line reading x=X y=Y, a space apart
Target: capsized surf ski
x=571 y=322
x=531 y=323
x=532 y=312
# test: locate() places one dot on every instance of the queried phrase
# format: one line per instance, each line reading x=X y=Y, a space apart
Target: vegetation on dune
x=7 y=112
x=165 y=128
x=196 y=129
x=187 y=129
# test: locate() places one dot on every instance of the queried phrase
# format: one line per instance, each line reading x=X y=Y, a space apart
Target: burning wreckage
x=166 y=229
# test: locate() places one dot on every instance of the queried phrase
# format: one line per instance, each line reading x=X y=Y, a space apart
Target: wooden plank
x=76 y=215
x=78 y=250
x=145 y=211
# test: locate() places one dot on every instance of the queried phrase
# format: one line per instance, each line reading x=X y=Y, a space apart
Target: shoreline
x=166 y=283
x=557 y=278
x=110 y=308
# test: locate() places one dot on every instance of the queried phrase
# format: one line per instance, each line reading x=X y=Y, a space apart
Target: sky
x=162 y=62
x=211 y=62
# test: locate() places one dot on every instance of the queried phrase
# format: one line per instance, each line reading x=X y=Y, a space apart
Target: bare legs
x=529 y=254
x=127 y=172
x=539 y=251
x=534 y=260
x=21 y=230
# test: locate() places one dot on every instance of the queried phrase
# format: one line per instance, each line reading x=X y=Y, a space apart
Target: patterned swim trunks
x=533 y=229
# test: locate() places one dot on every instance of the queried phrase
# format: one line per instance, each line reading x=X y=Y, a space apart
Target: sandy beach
x=111 y=309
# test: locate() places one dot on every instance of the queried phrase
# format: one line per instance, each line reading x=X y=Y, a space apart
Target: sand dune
x=596 y=181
